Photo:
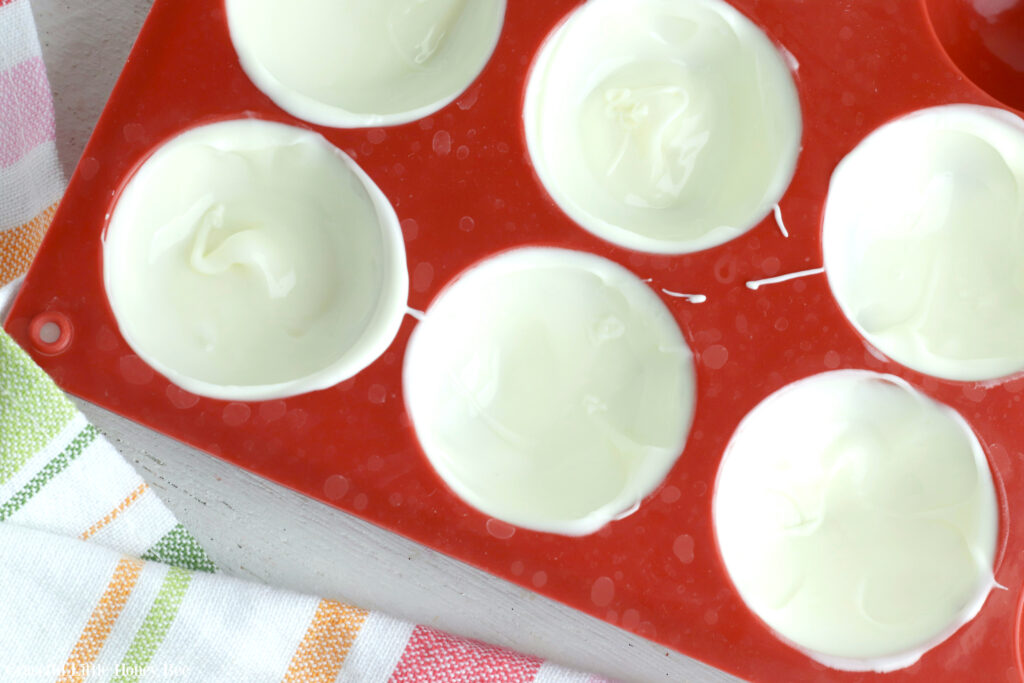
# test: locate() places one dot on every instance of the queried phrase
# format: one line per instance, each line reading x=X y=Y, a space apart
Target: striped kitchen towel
x=98 y=580
x=30 y=177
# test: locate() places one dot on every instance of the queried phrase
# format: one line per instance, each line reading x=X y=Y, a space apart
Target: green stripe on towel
x=154 y=628
x=32 y=409
x=49 y=471
x=179 y=548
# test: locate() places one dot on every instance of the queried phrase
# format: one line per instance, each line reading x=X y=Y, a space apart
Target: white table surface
x=262 y=532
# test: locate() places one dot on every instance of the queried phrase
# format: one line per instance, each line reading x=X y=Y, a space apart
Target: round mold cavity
x=350 y=64
x=985 y=40
x=923 y=241
x=249 y=260
x=858 y=519
x=550 y=389
x=662 y=126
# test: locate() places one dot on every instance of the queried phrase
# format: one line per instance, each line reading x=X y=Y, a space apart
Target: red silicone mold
x=657 y=572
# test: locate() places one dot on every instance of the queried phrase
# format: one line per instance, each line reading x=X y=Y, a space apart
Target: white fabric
x=30 y=184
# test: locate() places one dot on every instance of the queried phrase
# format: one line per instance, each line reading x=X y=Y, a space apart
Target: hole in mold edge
x=50 y=333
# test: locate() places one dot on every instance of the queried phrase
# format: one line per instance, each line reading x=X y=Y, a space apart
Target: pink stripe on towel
x=26 y=110
x=435 y=657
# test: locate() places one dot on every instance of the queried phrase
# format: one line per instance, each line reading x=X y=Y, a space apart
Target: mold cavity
x=248 y=260
x=662 y=126
x=985 y=39
x=550 y=389
x=857 y=518
x=923 y=240
x=351 y=64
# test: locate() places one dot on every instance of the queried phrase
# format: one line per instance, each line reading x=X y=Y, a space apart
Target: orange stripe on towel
x=18 y=245
x=113 y=514
x=326 y=644
x=101 y=621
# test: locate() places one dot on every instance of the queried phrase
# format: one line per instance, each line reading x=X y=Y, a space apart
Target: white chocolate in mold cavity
x=924 y=241
x=664 y=126
x=248 y=260
x=358 y=63
x=550 y=389
x=857 y=518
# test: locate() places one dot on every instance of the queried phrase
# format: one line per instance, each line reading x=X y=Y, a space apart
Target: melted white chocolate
x=660 y=125
x=858 y=519
x=355 y=63
x=924 y=241
x=252 y=260
x=550 y=389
